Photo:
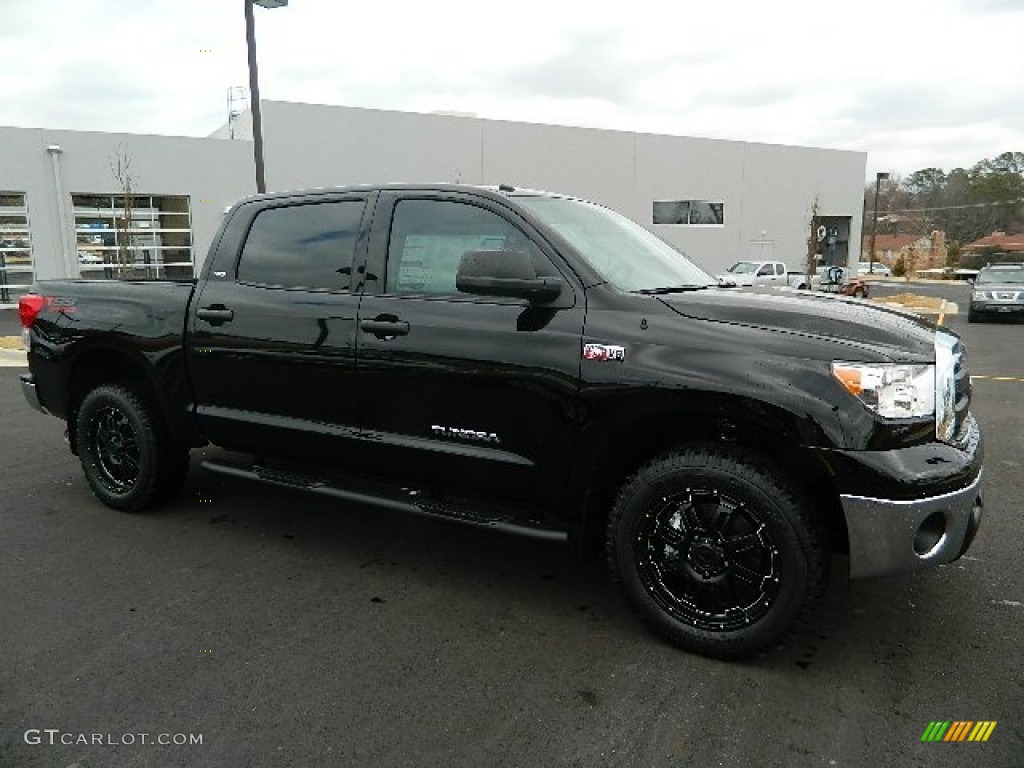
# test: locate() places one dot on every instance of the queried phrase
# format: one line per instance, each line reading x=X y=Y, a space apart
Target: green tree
x=1007 y=162
x=965 y=203
x=998 y=184
x=926 y=182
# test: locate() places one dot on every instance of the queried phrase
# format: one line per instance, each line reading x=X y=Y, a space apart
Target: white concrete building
x=61 y=212
x=62 y=208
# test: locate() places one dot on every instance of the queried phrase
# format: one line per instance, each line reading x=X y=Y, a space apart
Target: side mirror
x=970 y=280
x=504 y=273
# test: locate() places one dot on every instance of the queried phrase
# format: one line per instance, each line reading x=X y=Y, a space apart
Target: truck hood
x=894 y=333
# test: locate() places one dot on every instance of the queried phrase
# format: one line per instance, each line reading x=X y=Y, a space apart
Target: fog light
x=930 y=533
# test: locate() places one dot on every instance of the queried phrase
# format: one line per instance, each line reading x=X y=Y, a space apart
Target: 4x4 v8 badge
x=465 y=434
x=604 y=352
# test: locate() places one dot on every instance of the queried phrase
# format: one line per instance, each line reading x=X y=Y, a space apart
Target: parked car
x=876 y=268
x=89 y=257
x=998 y=292
x=745 y=274
x=532 y=364
x=827 y=279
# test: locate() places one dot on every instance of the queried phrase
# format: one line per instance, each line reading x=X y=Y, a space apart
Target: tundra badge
x=464 y=434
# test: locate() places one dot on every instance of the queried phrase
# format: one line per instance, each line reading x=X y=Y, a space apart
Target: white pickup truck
x=748 y=273
x=833 y=279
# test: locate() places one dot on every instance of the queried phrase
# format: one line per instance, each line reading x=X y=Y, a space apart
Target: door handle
x=385 y=329
x=215 y=314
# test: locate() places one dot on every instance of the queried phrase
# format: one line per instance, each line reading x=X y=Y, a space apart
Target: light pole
x=254 y=86
x=874 y=221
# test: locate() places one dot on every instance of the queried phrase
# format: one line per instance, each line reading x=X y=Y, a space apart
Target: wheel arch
x=768 y=434
x=100 y=364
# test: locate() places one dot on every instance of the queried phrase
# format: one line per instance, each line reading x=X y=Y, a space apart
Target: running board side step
x=401 y=501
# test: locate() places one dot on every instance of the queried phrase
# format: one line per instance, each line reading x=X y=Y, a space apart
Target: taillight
x=29 y=308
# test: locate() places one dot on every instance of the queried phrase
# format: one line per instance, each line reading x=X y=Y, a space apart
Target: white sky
x=915 y=83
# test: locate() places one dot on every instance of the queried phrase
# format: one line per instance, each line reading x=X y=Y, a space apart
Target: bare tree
x=121 y=168
x=910 y=260
x=811 y=258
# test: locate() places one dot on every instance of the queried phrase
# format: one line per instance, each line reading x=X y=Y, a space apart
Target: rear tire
x=717 y=551
x=128 y=460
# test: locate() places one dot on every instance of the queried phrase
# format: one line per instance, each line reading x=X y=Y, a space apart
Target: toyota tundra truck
x=535 y=364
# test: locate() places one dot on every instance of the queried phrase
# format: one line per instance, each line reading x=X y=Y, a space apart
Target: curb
x=13 y=358
x=948 y=308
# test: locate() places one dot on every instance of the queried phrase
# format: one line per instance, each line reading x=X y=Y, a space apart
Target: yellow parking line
x=998 y=378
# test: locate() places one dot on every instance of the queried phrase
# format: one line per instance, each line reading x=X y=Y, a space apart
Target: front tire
x=124 y=449
x=717 y=551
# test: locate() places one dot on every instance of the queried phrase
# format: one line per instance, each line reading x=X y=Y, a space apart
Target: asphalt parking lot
x=286 y=630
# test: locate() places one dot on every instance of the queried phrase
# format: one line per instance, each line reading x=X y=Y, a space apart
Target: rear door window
x=303 y=246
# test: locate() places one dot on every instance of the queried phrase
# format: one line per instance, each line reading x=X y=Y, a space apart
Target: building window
x=16 y=273
x=133 y=237
x=689 y=212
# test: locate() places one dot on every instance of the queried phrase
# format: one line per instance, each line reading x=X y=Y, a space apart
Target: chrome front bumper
x=892 y=536
x=28 y=389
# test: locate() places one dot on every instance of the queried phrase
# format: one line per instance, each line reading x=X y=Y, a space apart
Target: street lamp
x=874 y=221
x=254 y=86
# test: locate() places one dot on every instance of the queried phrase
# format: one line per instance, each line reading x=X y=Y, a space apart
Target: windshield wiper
x=671 y=289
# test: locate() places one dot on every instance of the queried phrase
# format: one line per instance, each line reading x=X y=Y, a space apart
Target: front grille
x=961 y=390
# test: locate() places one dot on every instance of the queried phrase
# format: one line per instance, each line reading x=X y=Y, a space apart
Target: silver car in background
x=998 y=290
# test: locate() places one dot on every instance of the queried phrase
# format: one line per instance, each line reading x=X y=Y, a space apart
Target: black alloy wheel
x=123 y=446
x=114 y=442
x=709 y=560
x=717 y=549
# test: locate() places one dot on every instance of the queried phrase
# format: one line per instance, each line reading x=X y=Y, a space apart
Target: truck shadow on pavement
x=395 y=557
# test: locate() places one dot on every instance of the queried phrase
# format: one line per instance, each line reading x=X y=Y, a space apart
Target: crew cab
x=535 y=364
x=745 y=274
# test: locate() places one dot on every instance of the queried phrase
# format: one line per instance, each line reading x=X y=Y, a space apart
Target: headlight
x=945 y=385
x=894 y=391
x=979 y=295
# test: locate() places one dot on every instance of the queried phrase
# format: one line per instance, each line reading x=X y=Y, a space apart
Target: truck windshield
x=1000 y=276
x=621 y=251
x=743 y=267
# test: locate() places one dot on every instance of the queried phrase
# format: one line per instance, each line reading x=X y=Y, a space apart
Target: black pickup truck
x=536 y=364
